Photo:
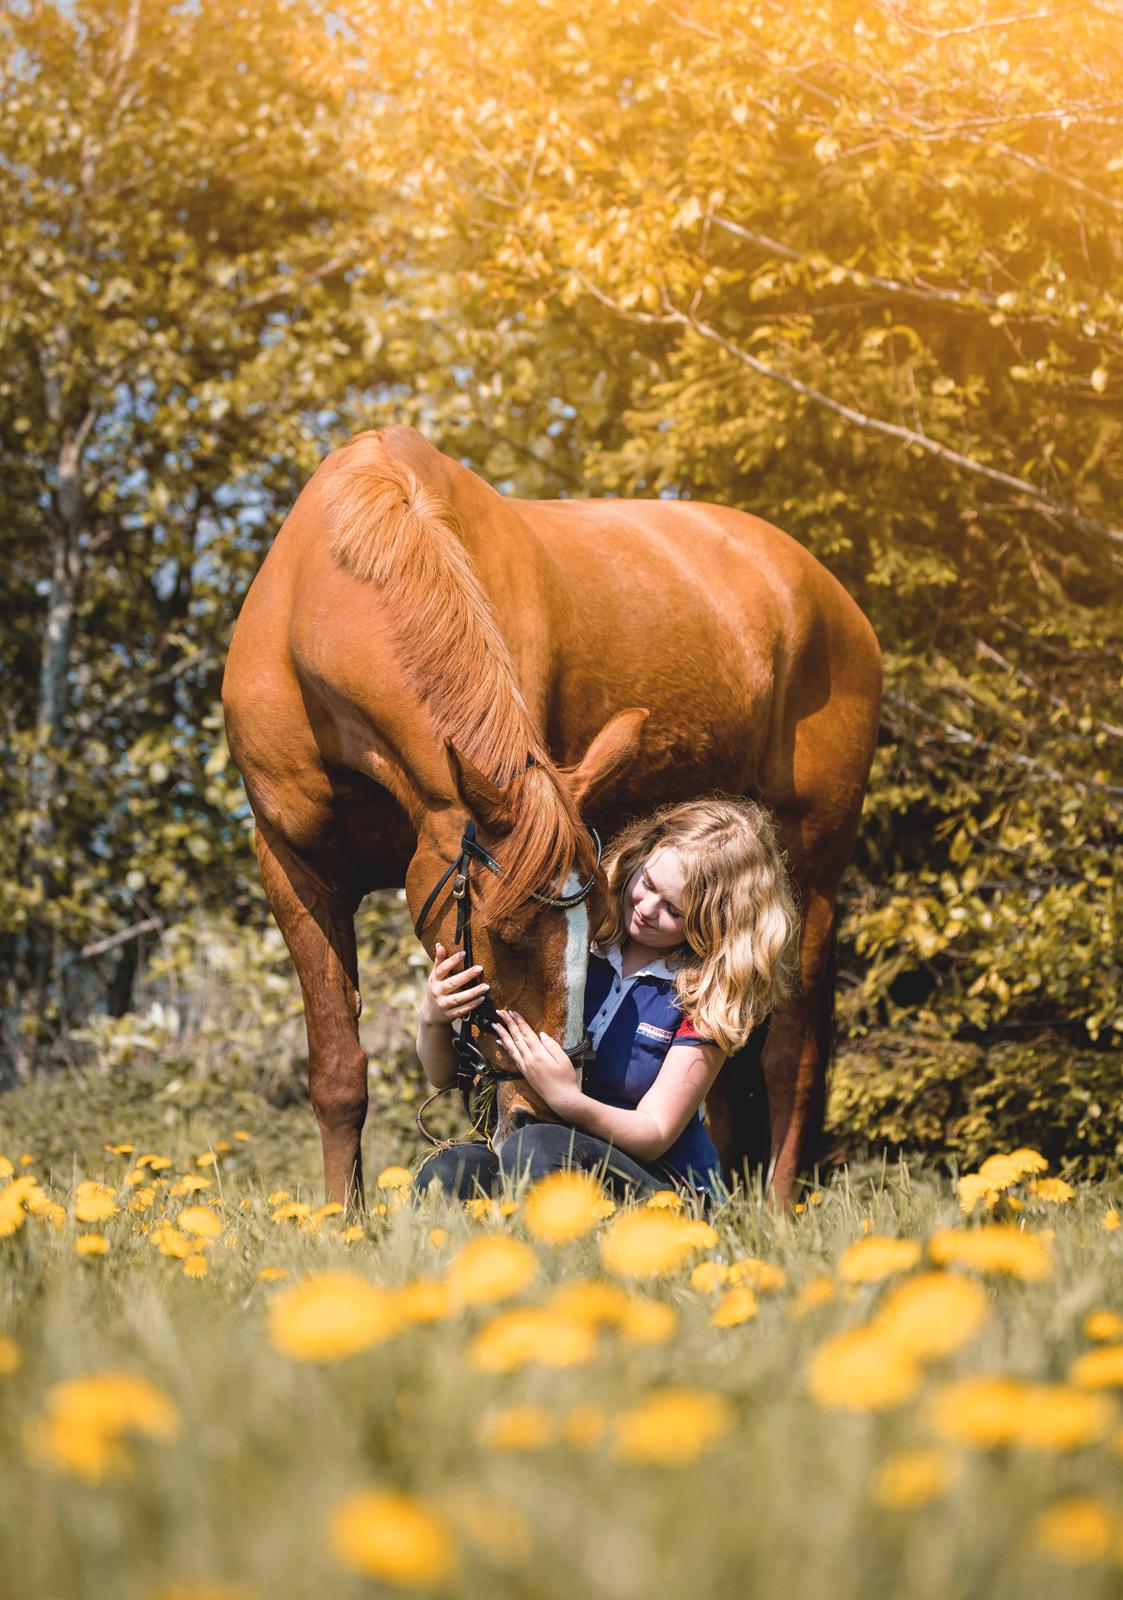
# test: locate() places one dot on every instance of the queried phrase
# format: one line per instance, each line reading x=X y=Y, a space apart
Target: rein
x=473 y=1071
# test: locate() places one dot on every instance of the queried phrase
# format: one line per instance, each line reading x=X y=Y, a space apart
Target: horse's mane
x=389 y=529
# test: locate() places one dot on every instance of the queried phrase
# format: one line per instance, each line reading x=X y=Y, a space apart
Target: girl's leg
x=542 y=1147
x=458 y=1168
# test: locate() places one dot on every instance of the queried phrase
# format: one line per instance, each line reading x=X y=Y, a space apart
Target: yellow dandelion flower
x=507 y=1208
x=439 y=1237
x=6 y=1167
x=1110 y=1219
x=1099 y=1369
x=800 y=1207
x=480 y=1206
x=1103 y=1325
x=395 y=1538
x=195 y=1265
x=85 y=1419
x=672 y=1426
x=605 y=1207
x=278 y=1197
x=490 y=1268
x=1029 y=1160
x=1000 y=1172
x=535 y=1334
x=381 y=1208
x=192 y=1183
x=91 y=1244
x=222 y=1145
x=330 y=1208
x=990 y=1411
x=562 y=1206
x=142 y=1199
x=517 y=1428
x=817 y=1292
x=668 y=1199
x=708 y=1276
x=644 y=1321
x=207 y=1159
x=861 y=1370
x=50 y=1211
x=875 y=1257
x=764 y=1276
x=200 y=1222
x=815 y=1198
x=9 y=1356
x=972 y=1188
x=136 y=1177
x=1014 y=1203
x=592 y=1298
x=352 y=1234
x=15 y=1203
x=294 y=1211
x=272 y=1274
x=646 y=1243
x=1077 y=1530
x=26 y=1159
x=154 y=1163
x=332 y=1315
x=241 y=1135
x=735 y=1306
x=1055 y=1190
x=583 y=1426
x=913 y=1478
x=121 y=1149
x=94 y=1202
x=932 y=1314
x=425 y=1300
x=993 y=1247
x=394 y=1178
x=170 y=1242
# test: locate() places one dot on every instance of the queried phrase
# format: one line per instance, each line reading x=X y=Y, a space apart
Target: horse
x=420 y=657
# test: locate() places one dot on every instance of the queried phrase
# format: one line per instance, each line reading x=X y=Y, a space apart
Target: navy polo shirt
x=632 y=1023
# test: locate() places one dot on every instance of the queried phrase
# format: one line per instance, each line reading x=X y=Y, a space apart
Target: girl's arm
x=449 y=995
x=683 y=1081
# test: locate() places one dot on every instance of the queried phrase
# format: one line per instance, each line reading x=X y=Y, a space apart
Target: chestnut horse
x=418 y=651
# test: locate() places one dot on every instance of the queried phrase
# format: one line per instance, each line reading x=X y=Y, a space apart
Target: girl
x=699 y=943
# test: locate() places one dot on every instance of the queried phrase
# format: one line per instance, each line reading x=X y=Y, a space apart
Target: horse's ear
x=482 y=799
x=614 y=748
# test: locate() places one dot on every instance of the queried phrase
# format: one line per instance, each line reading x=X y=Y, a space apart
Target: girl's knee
x=539 y=1147
x=457 y=1168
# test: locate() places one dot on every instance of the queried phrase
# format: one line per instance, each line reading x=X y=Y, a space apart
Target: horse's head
x=529 y=922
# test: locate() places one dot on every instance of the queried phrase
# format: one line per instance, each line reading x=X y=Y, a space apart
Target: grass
x=240 y=1502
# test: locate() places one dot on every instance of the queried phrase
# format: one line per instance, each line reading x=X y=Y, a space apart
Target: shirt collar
x=658 y=968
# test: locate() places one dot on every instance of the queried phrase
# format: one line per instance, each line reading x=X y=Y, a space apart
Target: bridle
x=473 y=1070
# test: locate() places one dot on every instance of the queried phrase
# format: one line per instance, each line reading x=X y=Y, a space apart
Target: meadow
x=211 y=1386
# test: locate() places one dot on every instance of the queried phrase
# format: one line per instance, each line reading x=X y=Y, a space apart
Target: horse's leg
x=319 y=929
x=797 y=1049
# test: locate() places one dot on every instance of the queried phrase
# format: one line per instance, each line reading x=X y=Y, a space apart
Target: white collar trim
x=651 y=969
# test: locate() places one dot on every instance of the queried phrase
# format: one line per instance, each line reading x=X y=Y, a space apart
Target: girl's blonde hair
x=740 y=918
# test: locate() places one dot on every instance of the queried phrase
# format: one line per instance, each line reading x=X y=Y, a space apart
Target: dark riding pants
x=533 y=1151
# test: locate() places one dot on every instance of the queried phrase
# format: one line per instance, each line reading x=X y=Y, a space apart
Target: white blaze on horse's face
x=576 y=964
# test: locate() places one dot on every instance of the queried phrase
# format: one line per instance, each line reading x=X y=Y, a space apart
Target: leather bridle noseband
x=473 y=1070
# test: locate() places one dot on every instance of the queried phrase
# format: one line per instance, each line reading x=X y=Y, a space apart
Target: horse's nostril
x=521 y=1116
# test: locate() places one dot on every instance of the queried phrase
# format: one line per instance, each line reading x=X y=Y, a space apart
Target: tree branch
x=1037 y=497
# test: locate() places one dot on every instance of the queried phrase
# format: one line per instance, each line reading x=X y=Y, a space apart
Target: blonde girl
x=698 y=944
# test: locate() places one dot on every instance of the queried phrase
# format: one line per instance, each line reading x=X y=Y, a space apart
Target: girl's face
x=653 y=901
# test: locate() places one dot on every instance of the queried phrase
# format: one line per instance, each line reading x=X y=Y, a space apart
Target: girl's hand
x=449 y=993
x=541 y=1060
